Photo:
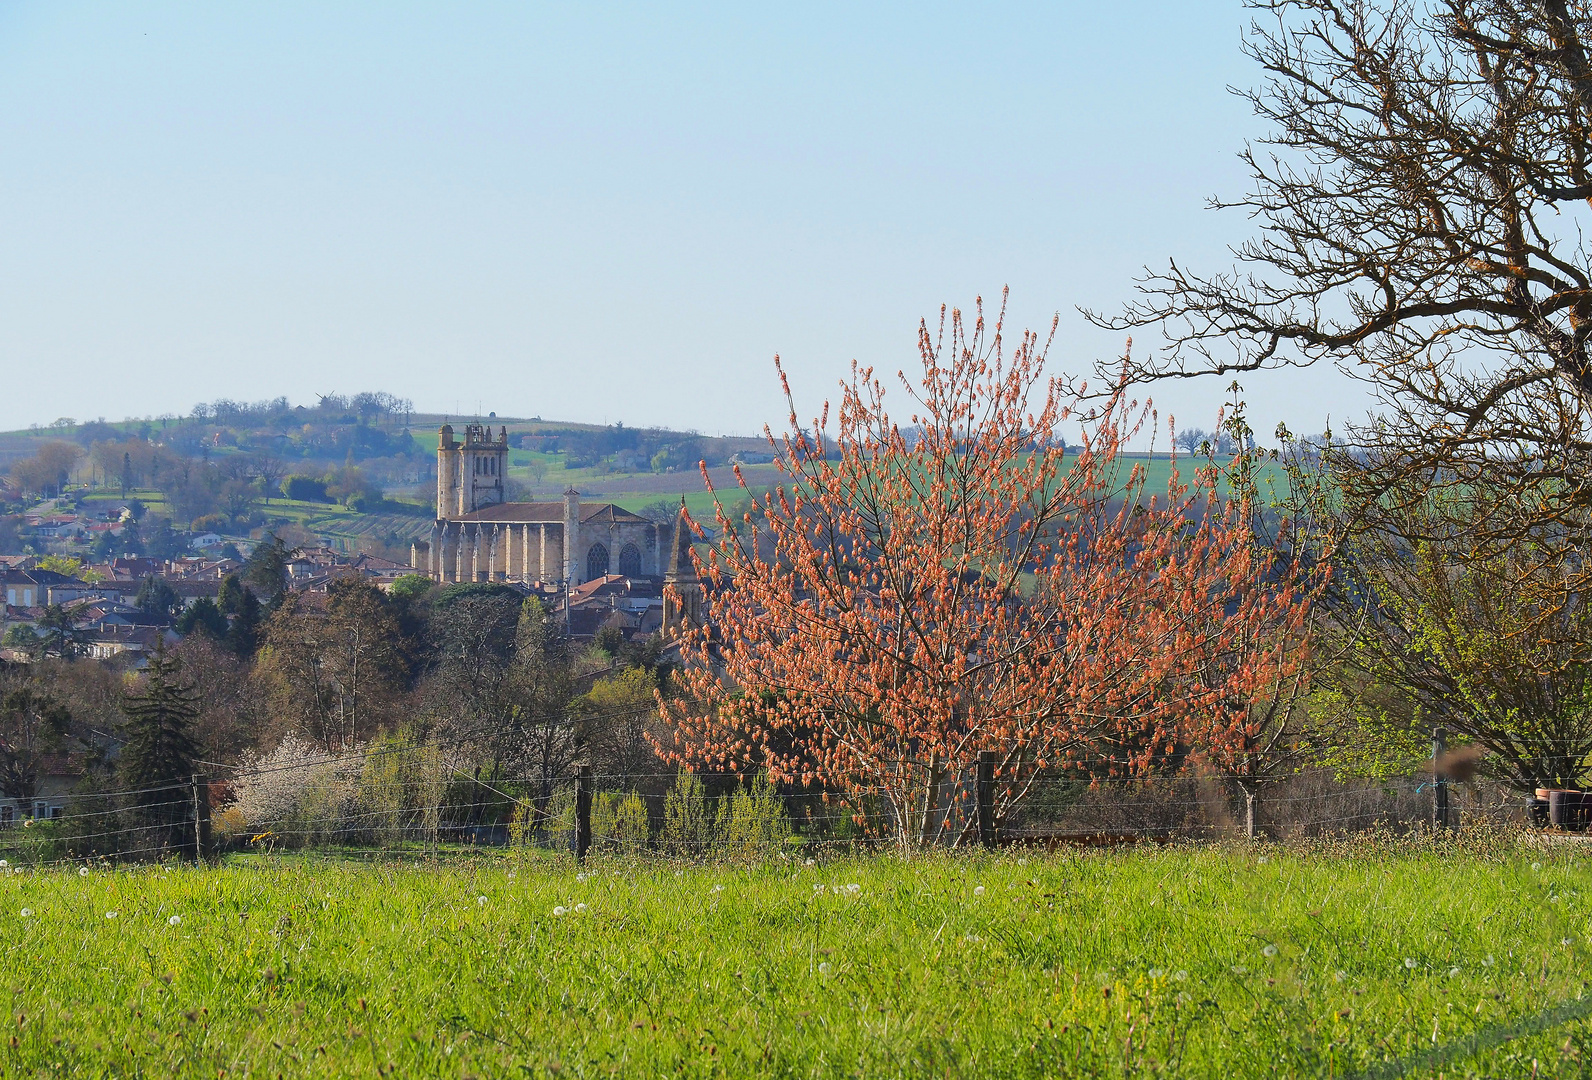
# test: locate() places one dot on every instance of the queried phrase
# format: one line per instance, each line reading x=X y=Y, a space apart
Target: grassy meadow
x=1383 y=961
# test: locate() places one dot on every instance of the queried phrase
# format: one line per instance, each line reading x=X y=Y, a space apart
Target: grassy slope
x=1128 y=964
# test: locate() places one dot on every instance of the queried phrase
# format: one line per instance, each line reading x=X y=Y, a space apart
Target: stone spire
x=682 y=589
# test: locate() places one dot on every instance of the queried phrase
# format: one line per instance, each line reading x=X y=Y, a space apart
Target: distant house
x=58 y=777
x=36 y=588
x=132 y=644
x=206 y=540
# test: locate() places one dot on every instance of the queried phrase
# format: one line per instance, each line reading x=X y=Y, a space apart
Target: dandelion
x=27 y=913
x=82 y=871
x=1269 y=951
x=824 y=968
x=110 y=914
x=3 y=864
x=818 y=889
x=1181 y=976
x=175 y=920
x=1409 y=962
x=1564 y=941
x=718 y=888
x=1339 y=976
x=560 y=911
x=480 y=901
x=978 y=890
x=1489 y=961
x=1453 y=972
x=809 y=862
x=1261 y=861
x=1156 y=973
x=579 y=908
x=854 y=888
x=1536 y=866
x=580 y=877
x=1240 y=969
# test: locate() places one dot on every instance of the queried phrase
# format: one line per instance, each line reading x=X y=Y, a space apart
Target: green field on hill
x=1364 y=959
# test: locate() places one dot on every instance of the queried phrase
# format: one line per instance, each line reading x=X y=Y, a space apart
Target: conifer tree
x=159 y=758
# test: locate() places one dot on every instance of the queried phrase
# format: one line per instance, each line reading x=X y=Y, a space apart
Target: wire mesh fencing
x=415 y=798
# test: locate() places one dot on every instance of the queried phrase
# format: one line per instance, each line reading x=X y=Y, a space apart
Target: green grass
x=1183 y=963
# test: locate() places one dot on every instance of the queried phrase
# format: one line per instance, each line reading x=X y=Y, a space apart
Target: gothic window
x=596 y=562
x=630 y=561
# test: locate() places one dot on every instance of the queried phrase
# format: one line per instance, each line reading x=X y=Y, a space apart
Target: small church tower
x=470 y=474
x=682 y=589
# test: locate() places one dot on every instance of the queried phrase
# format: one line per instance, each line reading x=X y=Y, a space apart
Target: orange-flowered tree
x=918 y=594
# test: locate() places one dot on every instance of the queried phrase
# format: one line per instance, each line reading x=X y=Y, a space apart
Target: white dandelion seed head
x=111 y=914
x=560 y=911
x=1453 y=972
x=1489 y=961
x=82 y=871
x=718 y=888
x=1156 y=973
x=579 y=908
x=1269 y=950
x=818 y=888
x=1564 y=941
x=1536 y=866
x=1261 y=861
x=978 y=890
x=1339 y=976
x=175 y=920
x=27 y=913
x=580 y=877
x=809 y=862
x=480 y=900
x=1409 y=962
x=824 y=968
x=1240 y=969
x=854 y=888
x=1181 y=976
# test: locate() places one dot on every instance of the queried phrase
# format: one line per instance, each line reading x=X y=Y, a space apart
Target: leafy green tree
x=753 y=822
x=266 y=570
x=162 y=541
x=202 y=616
x=687 y=817
x=238 y=600
x=156 y=597
x=159 y=759
x=58 y=632
x=32 y=725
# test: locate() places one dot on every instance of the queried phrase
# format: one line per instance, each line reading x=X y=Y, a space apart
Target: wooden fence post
x=583 y=786
x=986 y=798
x=1439 y=778
x=201 y=816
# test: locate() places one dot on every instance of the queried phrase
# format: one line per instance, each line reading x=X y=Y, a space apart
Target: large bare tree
x=1421 y=198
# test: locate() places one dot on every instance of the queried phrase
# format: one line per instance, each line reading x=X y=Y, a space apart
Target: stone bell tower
x=470 y=474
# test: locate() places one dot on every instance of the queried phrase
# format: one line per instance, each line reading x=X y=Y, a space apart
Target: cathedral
x=477 y=536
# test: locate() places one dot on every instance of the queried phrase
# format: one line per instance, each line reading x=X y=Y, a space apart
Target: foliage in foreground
x=1184 y=963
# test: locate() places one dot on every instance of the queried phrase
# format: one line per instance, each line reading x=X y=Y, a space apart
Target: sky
x=597 y=212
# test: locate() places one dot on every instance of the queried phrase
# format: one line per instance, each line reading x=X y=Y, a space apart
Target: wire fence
x=415 y=798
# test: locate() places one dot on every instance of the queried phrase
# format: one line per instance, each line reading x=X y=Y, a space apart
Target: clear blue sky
x=600 y=213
